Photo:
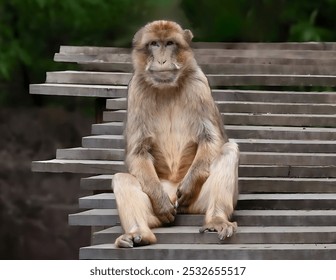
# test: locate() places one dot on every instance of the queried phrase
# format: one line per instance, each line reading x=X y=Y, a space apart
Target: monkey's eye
x=169 y=43
x=154 y=44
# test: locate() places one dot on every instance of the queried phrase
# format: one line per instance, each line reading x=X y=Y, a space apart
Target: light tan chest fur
x=175 y=138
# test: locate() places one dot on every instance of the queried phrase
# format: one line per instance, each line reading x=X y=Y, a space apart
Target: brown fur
x=176 y=147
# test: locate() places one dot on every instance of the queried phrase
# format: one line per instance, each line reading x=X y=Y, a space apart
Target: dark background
x=34 y=206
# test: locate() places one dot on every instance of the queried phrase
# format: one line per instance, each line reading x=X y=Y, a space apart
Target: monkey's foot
x=223 y=227
x=138 y=238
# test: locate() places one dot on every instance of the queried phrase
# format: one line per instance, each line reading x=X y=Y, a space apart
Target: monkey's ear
x=137 y=37
x=188 y=35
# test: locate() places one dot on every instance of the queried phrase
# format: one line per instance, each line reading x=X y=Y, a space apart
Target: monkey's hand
x=163 y=208
x=191 y=185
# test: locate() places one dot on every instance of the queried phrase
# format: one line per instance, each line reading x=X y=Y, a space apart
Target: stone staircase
x=286 y=131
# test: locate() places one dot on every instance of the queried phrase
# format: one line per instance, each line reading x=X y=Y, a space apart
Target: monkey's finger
x=207 y=228
x=203 y=229
x=182 y=201
x=167 y=219
x=173 y=208
x=137 y=239
x=164 y=219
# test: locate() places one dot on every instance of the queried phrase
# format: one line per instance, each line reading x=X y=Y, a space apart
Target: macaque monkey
x=178 y=156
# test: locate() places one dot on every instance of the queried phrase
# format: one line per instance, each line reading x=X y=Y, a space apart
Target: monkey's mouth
x=164 y=76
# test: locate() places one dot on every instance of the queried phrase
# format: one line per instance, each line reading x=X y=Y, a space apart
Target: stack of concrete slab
x=278 y=104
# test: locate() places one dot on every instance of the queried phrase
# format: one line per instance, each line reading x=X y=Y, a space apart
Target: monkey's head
x=162 y=54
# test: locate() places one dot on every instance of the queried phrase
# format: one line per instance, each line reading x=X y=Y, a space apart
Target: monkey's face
x=162 y=66
x=161 y=53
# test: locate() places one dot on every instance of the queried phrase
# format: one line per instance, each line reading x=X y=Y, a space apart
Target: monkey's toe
x=130 y=240
x=227 y=231
x=224 y=228
x=124 y=241
x=137 y=239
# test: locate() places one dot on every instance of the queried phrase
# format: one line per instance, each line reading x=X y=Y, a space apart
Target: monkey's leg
x=219 y=193
x=135 y=212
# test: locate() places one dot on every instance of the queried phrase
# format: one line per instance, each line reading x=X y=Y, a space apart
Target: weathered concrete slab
x=213 y=251
x=272 y=158
x=305 y=201
x=286 y=185
x=78 y=90
x=90 y=154
x=246 y=184
x=245 y=145
x=259 y=46
x=111 y=167
x=95 y=217
x=253 y=119
x=111 y=91
x=262 y=218
x=78 y=166
x=244 y=131
x=119 y=78
x=252 y=107
x=244 y=235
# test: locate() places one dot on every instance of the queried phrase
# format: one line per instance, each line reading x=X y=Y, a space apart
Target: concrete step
x=244 y=132
x=95 y=217
x=119 y=78
x=276 y=108
x=224 y=61
x=313 y=159
x=244 y=235
x=325 y=201
x=245 y=157
x=111 y=91
x=111 y=167
x=210 y=65
x=287 y=171
x=78 y=166
x=274 y=96
x=251 y=107
x=213 y=251
x=99 y=201
x=286 y=185
x=104 y=141
x=110 y=128
x=253 y=119
x=262 y=218
x=246 y=184
x=245 y=145
x=297 y=201
x=116 y=104
x=106 y=91
x=283 y=132
x=270 y=80
x=279 y=46
x=90 y=154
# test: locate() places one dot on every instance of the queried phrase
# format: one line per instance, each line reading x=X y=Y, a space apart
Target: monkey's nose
x=162 y=61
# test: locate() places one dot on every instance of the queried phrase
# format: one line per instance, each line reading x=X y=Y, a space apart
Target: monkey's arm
x=141 y=166
x=211 y=140
x=197 y=174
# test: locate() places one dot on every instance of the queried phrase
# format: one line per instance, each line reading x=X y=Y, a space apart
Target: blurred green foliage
x=262 y=20
x=31 y=31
